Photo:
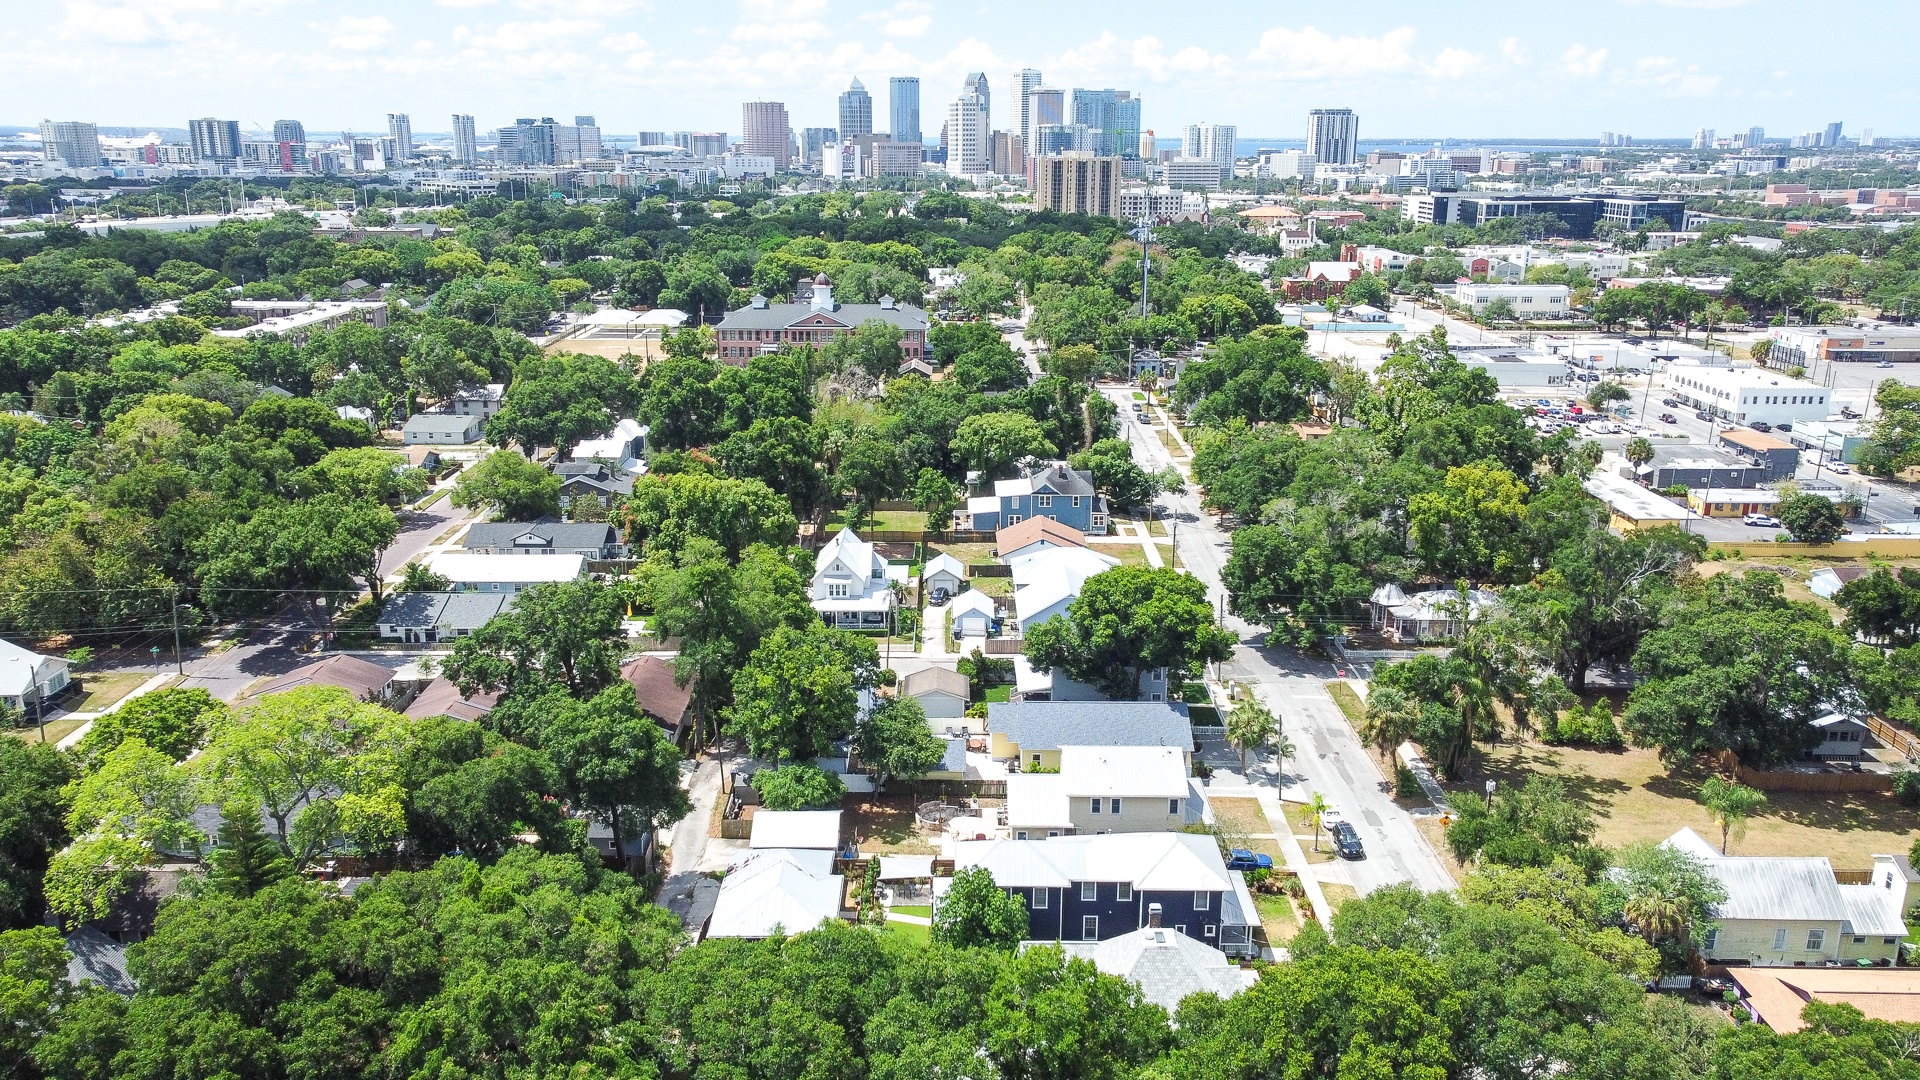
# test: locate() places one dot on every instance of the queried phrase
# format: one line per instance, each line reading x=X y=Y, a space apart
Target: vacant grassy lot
x=882 y=824
x=1241 y=816
x=104 y=691
x=882 y=521
x=1278 y=917
x=56 y=730
x=1635 y=799
x=1130 y=553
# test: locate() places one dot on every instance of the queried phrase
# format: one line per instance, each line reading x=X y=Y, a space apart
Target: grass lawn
x=1167 y=440
x=1129 y=553
x=56 y=730
x=1138 y=396
x=103 y=691
x=1338 y=894
x=1277 y=916
x=998 y=693
x=925 y=911
x=992 y=586
x=1242 y=816
x=884 y=825
x=882 y=521
x=1154 y=526
x=968 y=554
x=1635 y=799
x=1349 y=702
x=914 y=932
x=1429 y=826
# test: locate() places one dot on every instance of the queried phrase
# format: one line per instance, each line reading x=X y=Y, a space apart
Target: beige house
x=1794 y=912
x=1102 y=789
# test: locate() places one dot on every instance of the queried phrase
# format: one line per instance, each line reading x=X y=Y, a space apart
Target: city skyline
x=1411 y=71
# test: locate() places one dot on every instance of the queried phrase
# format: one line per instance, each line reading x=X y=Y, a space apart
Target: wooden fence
x=975 y=570
x=1834 y=783
x=1897 y=739
x=1006 y=646
x=928 y=536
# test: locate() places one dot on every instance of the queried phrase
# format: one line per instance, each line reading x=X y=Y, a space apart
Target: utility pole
x=178 y=667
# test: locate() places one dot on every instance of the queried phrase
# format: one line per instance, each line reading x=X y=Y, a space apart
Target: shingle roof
x=1165 y=964
x=782 y=316
x=935 y=678
x=562 y=534
x=653 y=684
x=1050 y=725
x=443 y=698
x=363 y=678
x=1034 y=530
x=1152 y=862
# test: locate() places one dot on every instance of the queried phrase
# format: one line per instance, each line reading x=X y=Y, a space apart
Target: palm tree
x=1283 y=749
x=1250 y=724
x=1316 y=809
x=1731 y=804
x=1389 y=720
x=1656 y=916
x=1638 y=451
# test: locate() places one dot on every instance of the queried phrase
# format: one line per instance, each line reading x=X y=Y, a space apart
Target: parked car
x=1885 y=364
x=1668 y=418
x=1764 y=521
x=1346 y=842
x=1242 y=859
x=939 y=596
x=1783 y=427
x=1702 y=414
x=1841 y=468
x=1670 y=403
x=1761 y=425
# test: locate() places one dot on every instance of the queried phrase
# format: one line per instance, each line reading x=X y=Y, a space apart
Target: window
x=1089 y=890
x=1780 y=940
x=1039 y=899
x=837 y=591
x=1013 y=519
x=1089 y=927
x=1210 y=929
x=1888 y=940
x=1123 y=892
x=1173 y=806
x=1042 y=500
x=1202 y=901
x=1816 y=940
x=1116 y=806
x=1096 y=804
x=1021 y=835
x=1036 y=759
x=1076 y=500
x=1859 y=941
x=1713 y=940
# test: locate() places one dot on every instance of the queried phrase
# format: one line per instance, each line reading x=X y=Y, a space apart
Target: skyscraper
x=1333 y=136
x=214 y=140
x=1833 y=134
x=400 y=130
x=1077 y=182
x=654 y=138
x=813 y=142
x=289 y=131
x=1756 y=136
x=976 y=85
x=903 y=107
x=578 y=141
x=766 y=132
x=1703 y=139
x=1029 y=82
x=1211 y=142
x=75 y=142
x=464 y=144
x=1044 y=108
x=856 y=111
x=969 y=139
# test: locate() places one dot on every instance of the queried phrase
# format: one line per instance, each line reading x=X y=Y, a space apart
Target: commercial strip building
x=1747 y=395
x=1807 y=346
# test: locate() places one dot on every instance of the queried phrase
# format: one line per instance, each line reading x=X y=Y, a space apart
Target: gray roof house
x=1022 y=729
x=942 y=692
x=763 y=326
x=27 y=676
x=595 y=480
x=1166 y=966
x=595 y=540
x=425 y=617
x=442 y=429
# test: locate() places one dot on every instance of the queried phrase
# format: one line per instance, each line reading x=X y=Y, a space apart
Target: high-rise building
x=1756 y=136
x=1113 y=113
x=400 y=130
x=1009 y=154
x=812 y=142
x=1147 y=145
x=289 y=131
x=1029 y=82
x=1703 y=139
x=1044 y=107
x=575 y=142
x=1866 y=137
x=701 y=143
x=969 y=140
x=1060 y=138
x=1333 y=136
x=856 y=111
x=73 y=142
x=465 y=146
x=766 y=132
x=1077 y=182
x=976 y=85
x=1833 y=134
x=903 y=108
x=528 y=142
x=654 y=138
x=1211 y=142
x=214 y=140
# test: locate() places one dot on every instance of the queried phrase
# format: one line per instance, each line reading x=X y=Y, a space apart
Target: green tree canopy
x=1126 y=622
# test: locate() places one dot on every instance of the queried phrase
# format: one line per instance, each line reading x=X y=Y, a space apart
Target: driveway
x=1331 y=760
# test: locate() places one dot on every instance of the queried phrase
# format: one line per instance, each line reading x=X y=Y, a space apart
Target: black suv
x=1346 y=842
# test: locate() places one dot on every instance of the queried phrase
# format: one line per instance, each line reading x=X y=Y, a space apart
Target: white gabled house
x=850 y=589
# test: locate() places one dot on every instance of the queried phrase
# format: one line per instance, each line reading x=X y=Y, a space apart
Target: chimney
x=1153 y=915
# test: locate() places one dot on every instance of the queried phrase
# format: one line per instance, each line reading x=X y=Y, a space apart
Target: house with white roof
x=442 y=429
x=943 y=571
x=1842 y=738
x=812 y=830
x=1091 y=888
x=1047 y=580
x=1792 y=911
x=1432 y=615
x=850 y=587
x=27 y=677
x=1167 y=966
x=973 y=613
x=625 y=447
x=777 y=890
x=1107 y=789
x=505 y=573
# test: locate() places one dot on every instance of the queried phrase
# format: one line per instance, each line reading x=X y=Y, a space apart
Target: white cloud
x=778 y=21
x=1583 y=62
x=1665 y=74
x=909 y=18
x=525 y=37
x=577 y=7
x=1452 y=63
x=358 y=35
x=131 y=24
x=1309 y=53
x=464 y=3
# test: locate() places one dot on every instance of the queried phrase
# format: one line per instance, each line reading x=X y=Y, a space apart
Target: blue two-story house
x=1051 y=490
x=1090 y=888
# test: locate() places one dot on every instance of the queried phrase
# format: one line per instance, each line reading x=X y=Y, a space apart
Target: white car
x=1764 y=521
x=1840 y=468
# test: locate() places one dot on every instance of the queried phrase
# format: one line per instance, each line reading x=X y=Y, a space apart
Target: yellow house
x=1732 y=502
x=1793 y=912
x=1102 y=789
x=1031 y=733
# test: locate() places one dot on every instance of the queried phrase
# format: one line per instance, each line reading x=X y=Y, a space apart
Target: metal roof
x=816 y=829
x=1151 y=862
x=775 y=890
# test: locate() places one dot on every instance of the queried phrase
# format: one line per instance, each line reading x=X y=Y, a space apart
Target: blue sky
x=1462 y=69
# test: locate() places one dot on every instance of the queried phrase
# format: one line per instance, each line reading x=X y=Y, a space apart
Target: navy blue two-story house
x=1090 y=888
